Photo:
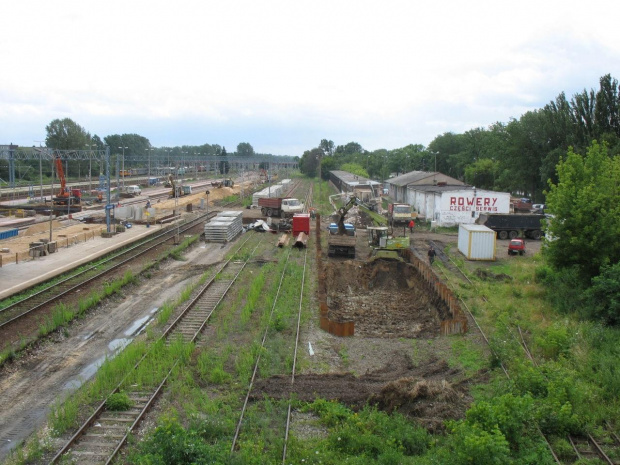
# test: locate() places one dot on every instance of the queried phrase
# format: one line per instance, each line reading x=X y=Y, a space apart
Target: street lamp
x=168 y=167
x=90 y=165
x=148 y=153
x=123 y=167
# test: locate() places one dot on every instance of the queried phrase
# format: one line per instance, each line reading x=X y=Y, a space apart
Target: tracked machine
x=383 y=245
x=340 y=242
x=71 y=198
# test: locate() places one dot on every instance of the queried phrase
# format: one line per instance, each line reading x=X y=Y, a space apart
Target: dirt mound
x=430 y=401
x=487 y=275
x=41 y=227
x=431 y=392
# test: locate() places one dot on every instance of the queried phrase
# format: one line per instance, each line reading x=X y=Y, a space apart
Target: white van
x=133 y=190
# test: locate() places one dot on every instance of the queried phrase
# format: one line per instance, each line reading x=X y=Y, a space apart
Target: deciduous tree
x=66 y=134
x=585 y=203
x=244 y=149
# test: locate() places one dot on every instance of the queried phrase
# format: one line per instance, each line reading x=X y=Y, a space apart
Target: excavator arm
x=61 y=176
x=342 y=211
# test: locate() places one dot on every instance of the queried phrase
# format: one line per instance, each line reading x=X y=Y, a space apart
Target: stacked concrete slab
x=224 y=227
x=273 y=191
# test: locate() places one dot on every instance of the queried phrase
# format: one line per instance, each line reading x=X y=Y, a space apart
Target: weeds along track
x=605 y=447
x=293 y=280
x=39 y=304
x=104 y=433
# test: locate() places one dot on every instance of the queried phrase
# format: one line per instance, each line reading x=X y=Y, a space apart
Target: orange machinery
x=65 y=195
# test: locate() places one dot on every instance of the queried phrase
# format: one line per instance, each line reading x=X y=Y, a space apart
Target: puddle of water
x=115 y=346
x=118 y=344
x=84 y=375
x=137 y=326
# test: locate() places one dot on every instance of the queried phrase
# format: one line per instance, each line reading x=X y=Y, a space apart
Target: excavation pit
x=383 y=298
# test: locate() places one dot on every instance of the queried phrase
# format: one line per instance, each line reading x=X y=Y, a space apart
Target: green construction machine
x=385 y=246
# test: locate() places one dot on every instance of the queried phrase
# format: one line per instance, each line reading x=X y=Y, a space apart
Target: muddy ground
x=60 y=364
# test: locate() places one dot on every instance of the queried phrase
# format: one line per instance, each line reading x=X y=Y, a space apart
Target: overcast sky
x=282 y=75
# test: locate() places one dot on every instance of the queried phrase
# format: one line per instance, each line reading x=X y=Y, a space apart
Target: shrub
x=565 y=291
x=509 y=413
x=119 y=401
x=331 y=413
x=604 y=296
x=472 y=445
x=170 y=442
x=554 y=341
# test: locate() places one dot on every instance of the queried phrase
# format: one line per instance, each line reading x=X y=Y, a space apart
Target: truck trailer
x=284 y=207
x=510 y=226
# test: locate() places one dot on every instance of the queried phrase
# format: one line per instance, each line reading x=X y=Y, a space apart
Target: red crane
x=65 y=195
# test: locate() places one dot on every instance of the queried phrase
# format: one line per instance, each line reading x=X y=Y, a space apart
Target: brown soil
x=396 y=360
x=429 y=392
x=384 y=298
x=69 y=231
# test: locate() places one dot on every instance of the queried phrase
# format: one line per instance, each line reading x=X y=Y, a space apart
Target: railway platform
x=14 y=278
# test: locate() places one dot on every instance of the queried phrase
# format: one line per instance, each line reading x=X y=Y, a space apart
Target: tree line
x=66 y=134
x=566 y=154
x=519 y=156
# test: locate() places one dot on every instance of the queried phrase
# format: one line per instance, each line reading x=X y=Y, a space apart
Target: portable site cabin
x=476 y=242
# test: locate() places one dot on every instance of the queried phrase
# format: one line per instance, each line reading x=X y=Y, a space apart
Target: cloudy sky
x=282 y=75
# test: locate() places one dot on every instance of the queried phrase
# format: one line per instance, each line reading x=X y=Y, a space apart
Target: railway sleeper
x=587 y=448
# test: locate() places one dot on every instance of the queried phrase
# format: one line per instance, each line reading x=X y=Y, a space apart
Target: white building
x=445 y=200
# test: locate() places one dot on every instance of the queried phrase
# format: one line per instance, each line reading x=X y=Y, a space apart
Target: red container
x=301 y=223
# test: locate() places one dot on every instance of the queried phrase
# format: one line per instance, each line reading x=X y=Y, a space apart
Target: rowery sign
x=491 y=202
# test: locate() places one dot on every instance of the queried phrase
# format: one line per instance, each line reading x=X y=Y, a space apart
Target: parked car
x=538 y=208
x=516 y=246
x=133 y=190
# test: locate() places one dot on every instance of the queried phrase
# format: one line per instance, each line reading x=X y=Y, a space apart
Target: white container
x=477 y=242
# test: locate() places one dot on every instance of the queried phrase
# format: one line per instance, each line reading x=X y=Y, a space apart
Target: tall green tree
x=607 y=107
x=350 y=148
x=327 y=146
x=585 y=203
x=66 y=134
x=446 y=153
x=309 y=162
x=244 y=149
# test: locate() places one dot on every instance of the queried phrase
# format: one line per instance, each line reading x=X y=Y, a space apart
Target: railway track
x=104 y=433
x=38 y=302
x=234 y=445
x=605 y=447
x=264 y=340
x=56 y=290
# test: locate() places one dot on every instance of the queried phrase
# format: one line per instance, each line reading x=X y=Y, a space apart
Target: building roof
x=440 y=189
x=353 y=179
x=422 y=178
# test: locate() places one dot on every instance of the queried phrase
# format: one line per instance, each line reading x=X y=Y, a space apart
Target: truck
x=400 y=213
x=283 y=207
x=511 y=225
x=339 y=242
x=523 y=204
